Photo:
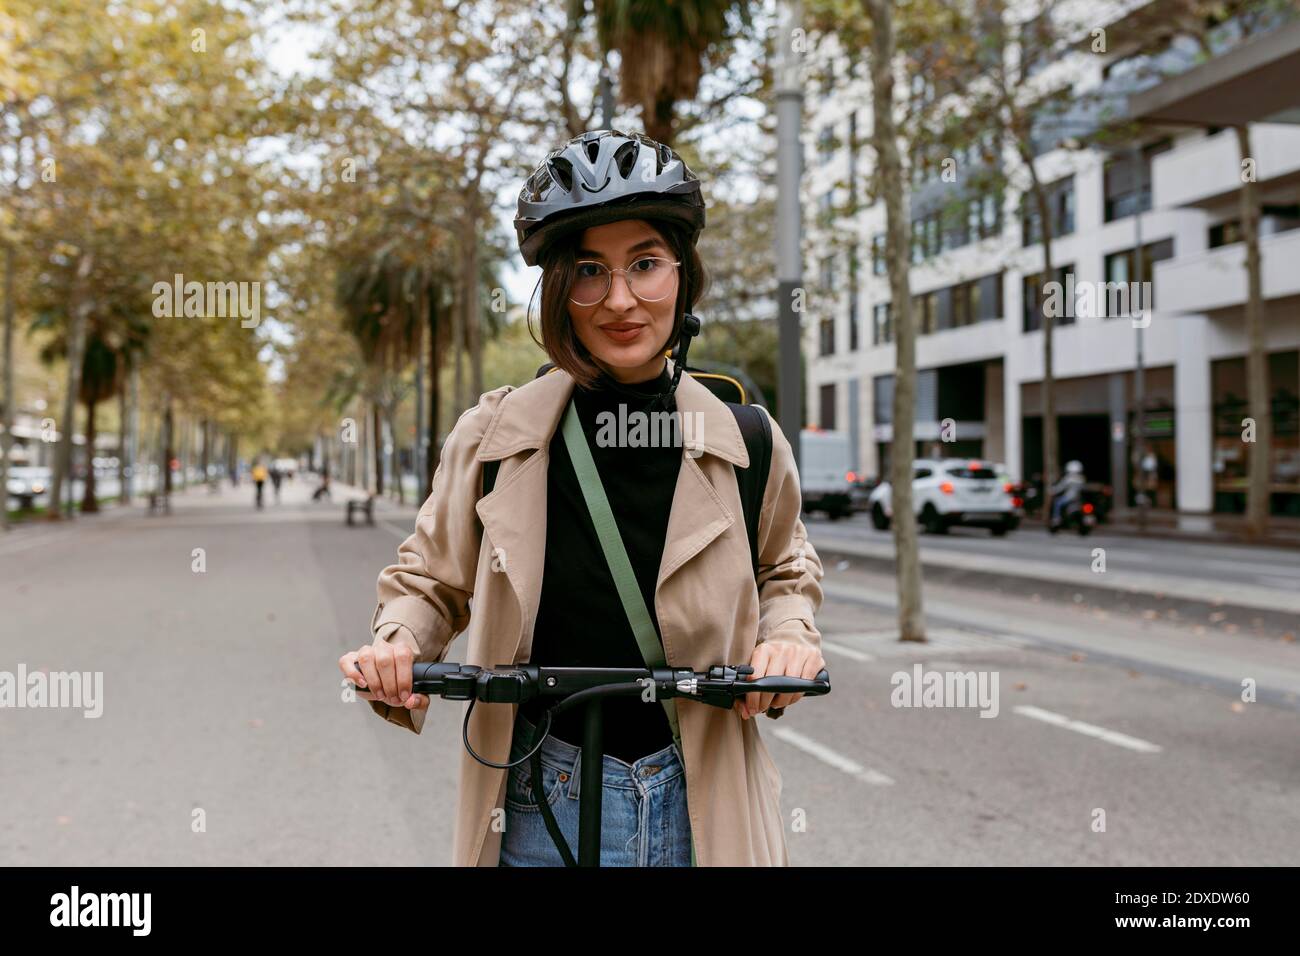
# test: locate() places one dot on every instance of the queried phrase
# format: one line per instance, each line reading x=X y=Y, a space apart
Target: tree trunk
x=911 y=618
x=458 y=344
x=76 y=349
x=376 y=418
x=88 y=503
x=1261 y=456
x=7 y=395
x=123 y=440
x=659 y=121
x=437 y=353
x=232 y=458
x=205 y=430
x=169 y=432
x=473 y=316
x=394 y=455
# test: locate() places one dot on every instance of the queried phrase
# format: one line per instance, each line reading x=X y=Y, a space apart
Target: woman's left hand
x=779 y=659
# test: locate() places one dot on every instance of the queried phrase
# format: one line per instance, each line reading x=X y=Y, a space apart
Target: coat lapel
x=514 y=514
x=698 y=514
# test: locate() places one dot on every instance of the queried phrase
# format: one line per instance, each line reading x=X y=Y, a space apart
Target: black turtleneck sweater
x=580 y=620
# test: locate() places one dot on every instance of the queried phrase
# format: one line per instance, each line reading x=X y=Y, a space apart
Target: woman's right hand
x=382 y=672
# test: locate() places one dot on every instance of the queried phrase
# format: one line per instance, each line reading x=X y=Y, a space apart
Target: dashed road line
x=1091 y=730
x=845 y=651
x=832 y=758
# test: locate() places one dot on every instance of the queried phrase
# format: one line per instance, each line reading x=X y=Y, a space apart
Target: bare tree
x=911 y=619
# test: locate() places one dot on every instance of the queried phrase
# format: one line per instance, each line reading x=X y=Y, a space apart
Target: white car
x=951 y=491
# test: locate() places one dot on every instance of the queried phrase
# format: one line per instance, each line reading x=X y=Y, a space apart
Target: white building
x=974 y=277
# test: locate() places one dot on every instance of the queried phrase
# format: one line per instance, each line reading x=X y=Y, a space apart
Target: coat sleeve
x=423 y=598
x=789 y=570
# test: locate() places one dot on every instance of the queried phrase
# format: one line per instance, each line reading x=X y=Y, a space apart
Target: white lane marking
x=1091 y=730
x=1282 y=582
x=828 y=756
x=849 y=652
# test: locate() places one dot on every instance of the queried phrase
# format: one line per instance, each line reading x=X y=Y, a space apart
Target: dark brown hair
x=558 y=261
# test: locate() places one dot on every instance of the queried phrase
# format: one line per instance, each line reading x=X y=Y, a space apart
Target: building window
x=878 y=265
x=1034 y=298
x=883 y=399
x=826 y=207
x=1060 y=203
x=825 y=144
x=853 y=297
x=1122 y=196
x=954 y=232
x=924 y=309
x=1119 y=298
x=826 y=337
x=979 y=300
x=828 y=78
x=828 y=274
x=882 y=324
x=1273 y=219
x=826 y=394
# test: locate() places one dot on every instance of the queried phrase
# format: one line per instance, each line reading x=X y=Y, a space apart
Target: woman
x=612 y=219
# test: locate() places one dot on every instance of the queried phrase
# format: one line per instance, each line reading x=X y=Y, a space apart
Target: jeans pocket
x=520 y=793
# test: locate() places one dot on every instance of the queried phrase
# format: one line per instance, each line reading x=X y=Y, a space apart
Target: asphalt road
x=221 y=695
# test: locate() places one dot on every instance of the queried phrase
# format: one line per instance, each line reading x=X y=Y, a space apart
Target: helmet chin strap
x=665 y=400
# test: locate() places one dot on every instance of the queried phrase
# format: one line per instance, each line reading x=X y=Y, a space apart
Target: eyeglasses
x=650 y=279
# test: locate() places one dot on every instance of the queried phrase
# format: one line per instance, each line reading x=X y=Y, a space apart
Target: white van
x=824 y=469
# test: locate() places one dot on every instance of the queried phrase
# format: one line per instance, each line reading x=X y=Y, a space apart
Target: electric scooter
x=719 y=686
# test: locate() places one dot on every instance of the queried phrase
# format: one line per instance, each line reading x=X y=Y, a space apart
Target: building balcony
x=1210 y=169
x=1217 y=279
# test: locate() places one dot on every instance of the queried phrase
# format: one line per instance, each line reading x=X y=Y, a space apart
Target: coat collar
x=529 y=415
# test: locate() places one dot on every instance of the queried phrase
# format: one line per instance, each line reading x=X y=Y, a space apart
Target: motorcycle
x=1079 y=515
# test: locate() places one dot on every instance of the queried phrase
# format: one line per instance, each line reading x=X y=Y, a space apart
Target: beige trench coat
x=708 y=609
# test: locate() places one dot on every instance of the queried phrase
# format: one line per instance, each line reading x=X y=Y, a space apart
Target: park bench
x=159 y=503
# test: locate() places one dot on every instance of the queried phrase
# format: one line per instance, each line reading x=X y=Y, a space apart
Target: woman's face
x=624 y=334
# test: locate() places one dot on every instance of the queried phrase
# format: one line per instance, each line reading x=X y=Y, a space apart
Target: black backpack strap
x=490 y=469
x=756 y=429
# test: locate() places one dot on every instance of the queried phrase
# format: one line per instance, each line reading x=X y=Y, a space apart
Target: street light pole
x=1139 y=375
x=789 y=261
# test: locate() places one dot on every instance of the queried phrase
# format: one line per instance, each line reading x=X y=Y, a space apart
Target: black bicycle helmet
x=602 y=176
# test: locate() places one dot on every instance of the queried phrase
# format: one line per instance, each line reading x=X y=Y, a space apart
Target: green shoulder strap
x=620 y=566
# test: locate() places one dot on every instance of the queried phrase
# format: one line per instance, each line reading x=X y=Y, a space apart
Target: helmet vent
x=593 y=150
x=625 y=158
x=562 y=173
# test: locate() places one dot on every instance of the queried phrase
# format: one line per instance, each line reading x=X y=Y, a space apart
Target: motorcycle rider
x=1068 y=491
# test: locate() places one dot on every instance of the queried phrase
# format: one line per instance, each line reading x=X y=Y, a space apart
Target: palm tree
x=663 y=49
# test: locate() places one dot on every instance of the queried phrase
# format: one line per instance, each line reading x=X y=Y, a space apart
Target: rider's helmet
x=603 y=176
x=1074 y=467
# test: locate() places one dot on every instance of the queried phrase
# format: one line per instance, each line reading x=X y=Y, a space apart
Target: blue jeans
x=643 y=815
